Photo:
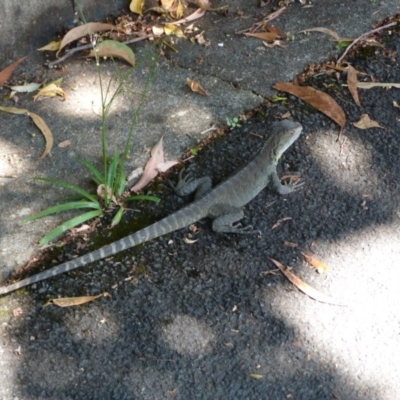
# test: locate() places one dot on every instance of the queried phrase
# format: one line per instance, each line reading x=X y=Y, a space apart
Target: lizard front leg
x=187 y=185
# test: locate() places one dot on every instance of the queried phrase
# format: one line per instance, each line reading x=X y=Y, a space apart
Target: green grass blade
x=68 y=225
x=98 y=177
x=112 y=169
x=120 y=182
x=63 y=207
x=117 y=217
x=66 y=185
x=143 y=197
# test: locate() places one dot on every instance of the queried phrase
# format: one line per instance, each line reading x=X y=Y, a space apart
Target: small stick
x=268 y=18
x=90 y=46
x=361 y=37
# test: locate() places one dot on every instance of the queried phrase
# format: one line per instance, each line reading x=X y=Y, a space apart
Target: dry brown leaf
x=318 y=265
x=165 y=166
x=352 y=84
x=279 y=222
x=73 y=301
x=268 y=36
x=112 y=48
x=39 y=122
x=340 y=68
x=84 y=30
x=6 y=72
x=323 y=30
x=319 y=100
x=150 y=170
x=304 y=287
x=171 y=29
x=196 y=87
x=365 y=123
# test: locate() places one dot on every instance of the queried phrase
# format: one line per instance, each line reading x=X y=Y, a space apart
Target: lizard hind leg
x=226 y=223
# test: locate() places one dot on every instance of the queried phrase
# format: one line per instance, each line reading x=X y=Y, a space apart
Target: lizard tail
x=173 y=222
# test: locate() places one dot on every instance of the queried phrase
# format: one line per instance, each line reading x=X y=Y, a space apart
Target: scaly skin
x=222 y=203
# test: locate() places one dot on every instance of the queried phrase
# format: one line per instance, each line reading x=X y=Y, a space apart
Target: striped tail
x=182 y=218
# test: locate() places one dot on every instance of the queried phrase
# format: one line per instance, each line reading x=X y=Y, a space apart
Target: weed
x=233 y=123
x=110 y=179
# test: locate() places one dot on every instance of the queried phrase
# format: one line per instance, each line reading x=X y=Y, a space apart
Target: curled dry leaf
x=189 y=241
x=319 y=100
x=6 y=72
x=39 y=122
x=196 y=87
x=51 y=90
x=29 y=87
x=365 y=123
x=112 y=48
x=150 y=170
x=352 y=84
x=84 y=30
x=304 y=287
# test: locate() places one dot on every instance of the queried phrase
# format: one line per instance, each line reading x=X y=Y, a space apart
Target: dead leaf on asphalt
x=323 y=30
x=196 y=87
x=196 y=15
x=352 y=82
x=52 y=46
x=39 y=122
x=6 y=72
x=304 y=287
x=319 y=100
x=73 y=301
x=365 y=122
x=136 y=6
x=112 y=48
x=268 y=36
x=84 y=30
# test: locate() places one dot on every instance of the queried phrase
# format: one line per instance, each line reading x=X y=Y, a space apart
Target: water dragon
x=223 y=203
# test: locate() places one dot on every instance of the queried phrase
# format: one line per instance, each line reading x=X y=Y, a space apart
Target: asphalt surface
x=207 y=320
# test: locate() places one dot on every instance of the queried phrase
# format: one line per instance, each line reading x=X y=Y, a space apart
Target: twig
x=361 y=37
x=90 y=46
x=268 y=18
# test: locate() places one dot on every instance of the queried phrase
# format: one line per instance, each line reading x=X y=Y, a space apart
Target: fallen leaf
x=279 y=222
x=268 y=36
x=136 y=6
x=157 y=30
x=52 y=46
x=279 y=43
x=73 y=301
x=365 y=123
x=29 y=87
x=150 y=170
x=304 y=287
x=112 y=48
x=51 y=90
x=189 y=241
x=319 y=100
x=370 y=85
x=171 y=29
x=340 y=68
x=256 y=376
x=65 y=143
x=196 y=87
x=318 y=265
x=352 y=84
x=84 y=30
x=6 y=73
x=396 y=104
x=165 y=166
x=323 y=30
x=196 y=15
x=39 y=122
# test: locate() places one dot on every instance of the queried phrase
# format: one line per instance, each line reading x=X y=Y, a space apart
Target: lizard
x=223 y=203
